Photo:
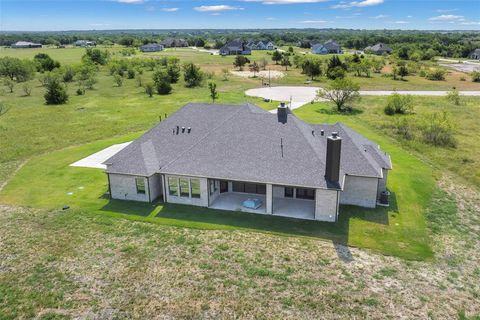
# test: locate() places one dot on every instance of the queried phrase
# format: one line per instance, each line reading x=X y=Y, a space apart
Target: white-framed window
x=172 y=186
x=195 y=188
x=184 y=187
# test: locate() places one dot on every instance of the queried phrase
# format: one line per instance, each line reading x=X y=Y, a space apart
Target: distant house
x=151 y=47
x=174 y=43
x=379 y=48
x=475 y=54
x=319 y=49
x=243 y=158
x=332 y=47
x=234 y=47
x=261 y=45
x=85 y=43
x=25 y=44
x=329 y=46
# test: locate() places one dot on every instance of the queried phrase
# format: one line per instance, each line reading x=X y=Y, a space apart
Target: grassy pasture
x=47 y=181
x=50 y=137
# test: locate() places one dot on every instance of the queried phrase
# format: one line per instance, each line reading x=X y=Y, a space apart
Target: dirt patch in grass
x=77 y=264
x=273 y=74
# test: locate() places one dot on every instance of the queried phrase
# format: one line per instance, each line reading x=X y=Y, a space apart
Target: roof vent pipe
x=189 y=129
x=282 y=112
x=178 y=129
x=183 y=129
x=322 y=133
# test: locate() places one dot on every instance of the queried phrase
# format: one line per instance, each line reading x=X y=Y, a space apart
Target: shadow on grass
x=200 y=217
x=133 y=208
x=378 y=215
x=333 y=231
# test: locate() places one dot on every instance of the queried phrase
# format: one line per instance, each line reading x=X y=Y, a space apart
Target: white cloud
x=446 y=10
x=130 y=1
x=447 y=17
x=271 y=18
x=99 y=24
x=359 y=4
x=401 y=22
x=471 y=23
x=380 y=16
x=169 y=9
x=285 y=1
x=313 y=21
x=409 y=17
x=216 y=8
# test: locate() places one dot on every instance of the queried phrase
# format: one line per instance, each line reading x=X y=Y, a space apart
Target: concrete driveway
x=300 y=96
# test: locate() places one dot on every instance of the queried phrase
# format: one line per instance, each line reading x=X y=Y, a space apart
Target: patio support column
x=269 y=199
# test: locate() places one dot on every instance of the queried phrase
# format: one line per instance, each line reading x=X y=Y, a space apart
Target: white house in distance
x=229 y=156
x=25 y=44
x=151 y=47
x=85 y=43
x=261 y=45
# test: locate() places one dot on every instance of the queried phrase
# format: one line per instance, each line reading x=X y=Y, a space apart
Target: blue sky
x=37 y=15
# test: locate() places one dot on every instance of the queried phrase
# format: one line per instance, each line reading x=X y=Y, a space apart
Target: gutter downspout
x=148 y=186
x=109 y=186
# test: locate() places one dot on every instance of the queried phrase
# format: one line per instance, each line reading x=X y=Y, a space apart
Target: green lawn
x=48 y=182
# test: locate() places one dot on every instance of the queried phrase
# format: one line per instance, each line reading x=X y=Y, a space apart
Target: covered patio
x=233 y=201
x=294 y=208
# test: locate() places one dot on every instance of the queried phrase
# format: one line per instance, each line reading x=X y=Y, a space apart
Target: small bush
x=436 y=75
x=149 y=89
x=422 y=73
x=27 y=89
x=80 y=92
x=401 y=104
x=118 y=80
x=462 y=78
x=475 y=76
x=404 y=129
x=437 y=129
x=130 y=74
x=454 y=97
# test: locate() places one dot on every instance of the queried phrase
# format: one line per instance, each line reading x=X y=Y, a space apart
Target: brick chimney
x=332 y=164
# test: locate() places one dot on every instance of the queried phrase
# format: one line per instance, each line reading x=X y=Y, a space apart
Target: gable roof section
x=246 y=143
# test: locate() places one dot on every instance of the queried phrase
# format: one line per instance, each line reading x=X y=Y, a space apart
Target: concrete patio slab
x=95 y=160
x=294 y=208
x=233 y=201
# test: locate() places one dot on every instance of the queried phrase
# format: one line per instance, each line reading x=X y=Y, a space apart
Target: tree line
x=411 y=44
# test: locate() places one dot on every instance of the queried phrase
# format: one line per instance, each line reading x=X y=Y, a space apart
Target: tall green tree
x=340 y=91
x=45 y=63
x=285 y=62
x=240 y=61
x=173 y=71
x=276 y=56
x=312 y=68
x=96 y=56
x=56 y=92
x=192 y=75
x=162 y=82
x=17 y=69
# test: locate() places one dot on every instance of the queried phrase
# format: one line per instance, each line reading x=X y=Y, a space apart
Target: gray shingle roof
x=244 y=143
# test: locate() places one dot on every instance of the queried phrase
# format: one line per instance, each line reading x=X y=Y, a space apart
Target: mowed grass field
x=105 y=259
x=52 y=137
